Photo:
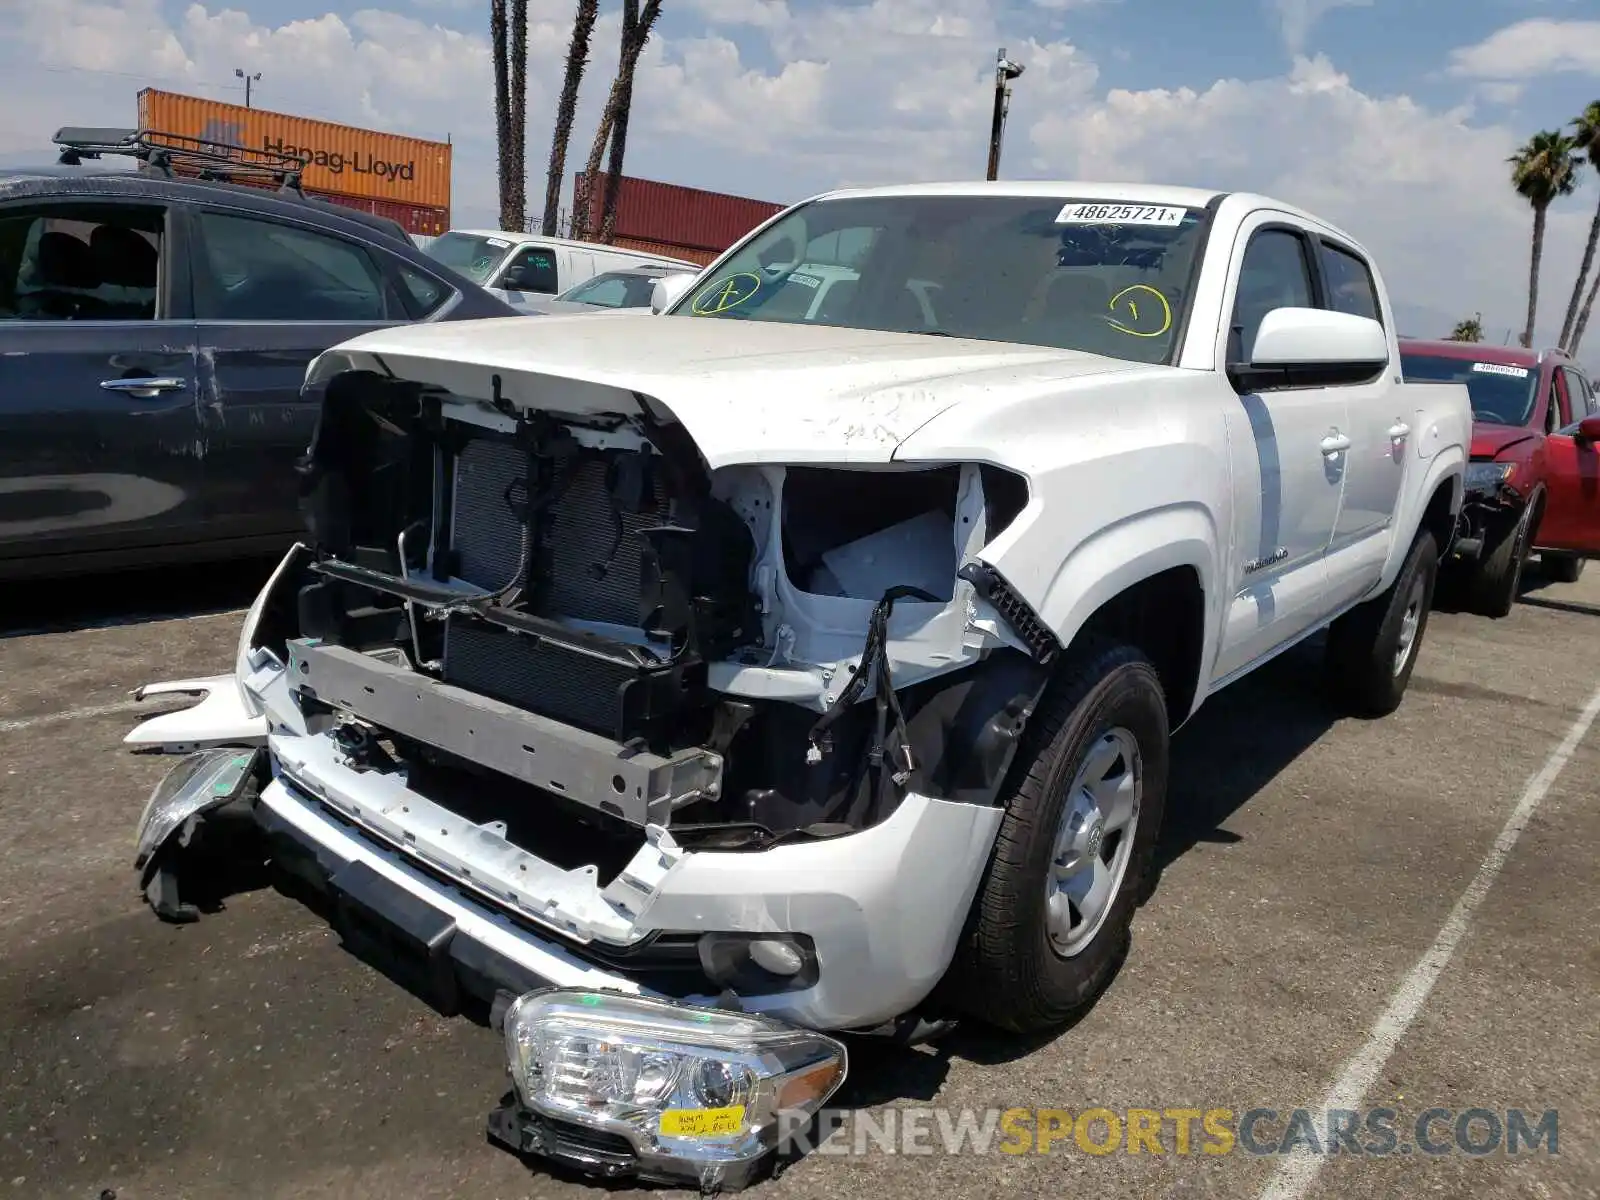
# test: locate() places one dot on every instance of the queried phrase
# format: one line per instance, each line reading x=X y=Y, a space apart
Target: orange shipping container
x=343 y=159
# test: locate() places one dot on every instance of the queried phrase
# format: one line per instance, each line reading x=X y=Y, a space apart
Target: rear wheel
x=1051 y=921
x=1499 y=576
x=1372 y=649
x=1562 y=568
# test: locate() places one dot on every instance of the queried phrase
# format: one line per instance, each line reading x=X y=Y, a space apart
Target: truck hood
x=745 y=391
x=1490 y=440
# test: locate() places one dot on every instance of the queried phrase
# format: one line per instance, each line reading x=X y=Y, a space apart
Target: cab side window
x=532 y=270
x=81 y=262
x=1581 y=401
x=1275 y=274
x=1557 y=409
x=1349 y=283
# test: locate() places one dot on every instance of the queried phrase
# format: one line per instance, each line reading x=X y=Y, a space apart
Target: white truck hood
x=745 y=391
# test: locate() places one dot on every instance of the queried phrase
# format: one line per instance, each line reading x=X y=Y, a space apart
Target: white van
x=520 y=266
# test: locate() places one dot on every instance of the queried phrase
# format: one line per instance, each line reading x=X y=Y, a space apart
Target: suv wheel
x=1562 y=568
x=1499 y=576
x=1051 y=921
x=1372 y=649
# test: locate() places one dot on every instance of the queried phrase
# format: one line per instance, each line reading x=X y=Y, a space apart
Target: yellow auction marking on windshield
x=726 y=293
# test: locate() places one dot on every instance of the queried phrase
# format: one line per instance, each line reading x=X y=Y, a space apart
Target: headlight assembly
x=697 y=1094
x=1485 y=476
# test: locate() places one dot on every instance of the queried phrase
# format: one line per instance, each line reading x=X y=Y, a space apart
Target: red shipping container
x=414 y=218
x=673 y=219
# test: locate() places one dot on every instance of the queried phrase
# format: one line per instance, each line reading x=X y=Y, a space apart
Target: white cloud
x=1531 y=48
x=778 y=102
x=1298 y=17
x=1500 y=93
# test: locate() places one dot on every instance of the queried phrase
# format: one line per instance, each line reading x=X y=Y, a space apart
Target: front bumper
x=883 y=909
x=1488 y=514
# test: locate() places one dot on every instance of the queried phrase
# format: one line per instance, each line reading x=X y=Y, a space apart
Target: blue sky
x=1391 y=117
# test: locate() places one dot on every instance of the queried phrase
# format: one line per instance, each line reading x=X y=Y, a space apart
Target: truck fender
x=1450 y=461
x=1128 y=552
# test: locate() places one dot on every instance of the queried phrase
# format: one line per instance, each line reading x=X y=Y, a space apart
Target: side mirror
x=669 y=289
x=1588 y=431
x=1312 y=347
x=515 y=279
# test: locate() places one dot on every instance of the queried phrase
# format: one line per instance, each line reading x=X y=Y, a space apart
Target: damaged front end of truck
x=679 y=768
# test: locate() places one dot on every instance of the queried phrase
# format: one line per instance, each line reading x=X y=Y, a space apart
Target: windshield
x=1502 y=393
x=470 y=254
x=614 y=289
x=1106 y=278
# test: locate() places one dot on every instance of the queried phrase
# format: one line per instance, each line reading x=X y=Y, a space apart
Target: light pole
x=1004 y=72
x=248 y=80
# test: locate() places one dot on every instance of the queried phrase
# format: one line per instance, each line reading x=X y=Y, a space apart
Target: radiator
x=594 y=575
x=538 y=676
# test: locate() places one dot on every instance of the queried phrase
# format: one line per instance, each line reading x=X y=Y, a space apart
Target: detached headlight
x=696 y=1093
x=1485 y=476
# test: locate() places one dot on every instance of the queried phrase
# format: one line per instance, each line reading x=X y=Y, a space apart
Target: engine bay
x=576 y=611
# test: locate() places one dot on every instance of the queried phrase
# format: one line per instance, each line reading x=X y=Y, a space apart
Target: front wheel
x=1372 y=649
x=1052 y=918
x=1498 y=579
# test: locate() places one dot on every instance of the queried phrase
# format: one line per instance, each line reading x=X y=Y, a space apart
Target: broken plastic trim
x=1041 y=641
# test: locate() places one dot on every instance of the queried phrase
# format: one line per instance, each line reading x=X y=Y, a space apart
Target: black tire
x=1496 y=583
x=1562 y=568
x=1007 y=972
x=1364 y=645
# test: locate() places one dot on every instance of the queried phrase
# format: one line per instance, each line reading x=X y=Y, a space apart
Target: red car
x=1534 y=480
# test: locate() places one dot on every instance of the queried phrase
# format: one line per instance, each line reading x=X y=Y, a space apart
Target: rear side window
x=253 y=270
x=1350 y=286
x=81 y=262
x=423 y=293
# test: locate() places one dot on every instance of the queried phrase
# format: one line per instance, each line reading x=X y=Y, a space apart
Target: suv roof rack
x=174 y=153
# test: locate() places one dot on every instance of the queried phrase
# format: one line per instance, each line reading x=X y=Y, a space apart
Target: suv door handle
x=1335 y=443
x=144 y=387
x=1399 y=431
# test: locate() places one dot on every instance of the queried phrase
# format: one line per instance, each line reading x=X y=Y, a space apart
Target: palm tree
x=636 y=25
x=1541 y=170
x=1586 y=136
x=519 y=113
x=510 y=106
x=567 y=108
x=1583 y=317
x=502 y=105
x=1470 y=330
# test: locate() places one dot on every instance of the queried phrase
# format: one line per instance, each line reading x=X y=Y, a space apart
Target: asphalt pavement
x=1351 y=914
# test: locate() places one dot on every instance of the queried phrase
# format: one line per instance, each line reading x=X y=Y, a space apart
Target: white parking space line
x=1296 y=1173
x=74 y=714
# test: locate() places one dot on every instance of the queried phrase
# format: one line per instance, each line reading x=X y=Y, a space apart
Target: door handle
x=1399 y=431
x=1335 y=443
x=144 y=386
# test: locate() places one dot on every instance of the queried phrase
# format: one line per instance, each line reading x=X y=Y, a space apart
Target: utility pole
x=1004 y=72
x=248 y=80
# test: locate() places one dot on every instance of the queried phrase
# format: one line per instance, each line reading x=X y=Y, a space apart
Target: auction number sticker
x=810 y=281
x=1120 y=214
x=1501 y=369
x=702 y=1122
x=497 y=243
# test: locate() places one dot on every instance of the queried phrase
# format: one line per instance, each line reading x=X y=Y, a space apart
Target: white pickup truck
x=691 y=690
